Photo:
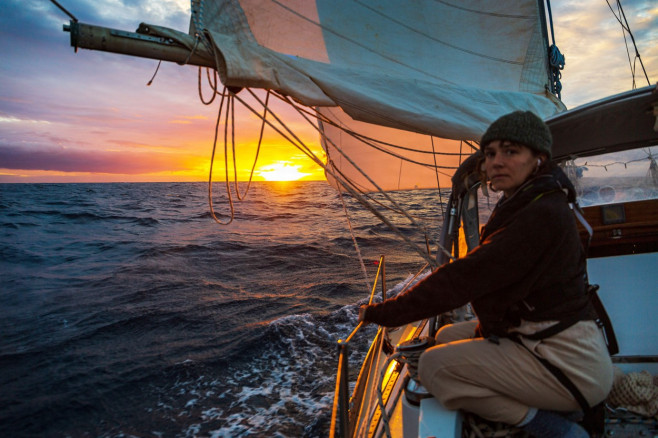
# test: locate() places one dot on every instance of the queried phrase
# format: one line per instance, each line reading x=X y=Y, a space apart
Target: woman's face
x=508 y=165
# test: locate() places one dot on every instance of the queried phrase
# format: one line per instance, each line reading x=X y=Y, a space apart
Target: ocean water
x=125 y=310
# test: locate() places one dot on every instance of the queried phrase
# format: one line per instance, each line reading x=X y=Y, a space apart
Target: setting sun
x=281 y=171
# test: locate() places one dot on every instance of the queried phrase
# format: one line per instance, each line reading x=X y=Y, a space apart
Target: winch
x=409 y=353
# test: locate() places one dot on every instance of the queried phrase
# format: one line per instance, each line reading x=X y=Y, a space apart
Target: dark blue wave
x=126 y=310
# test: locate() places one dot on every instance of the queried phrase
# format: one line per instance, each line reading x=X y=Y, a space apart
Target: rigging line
x=359 y=136
x=393 y=154
x=399 y=209
x=156 y=72
x=427 y=256
x=356 y=244
x=364 y=138
x=364 y=192
x=637 y=53
x=196 y=44
x=212 y=160
x=323 y=118
x=369 y=140
x=472 y=146
x=380 y=115
x=354 y=193
x=229 y=105
x=361 y=189
x=423 y=253
x=235 y=165
x=438 y=184
x=212 y=82
x=63 y=9
x=301 y=146
x=626 y=27
x=616 y=16
x=213 y=86
x=260 y=142
x=214 y=146
x=461 y=149
x=340 y=150
x=550 y=20
x=628 y=52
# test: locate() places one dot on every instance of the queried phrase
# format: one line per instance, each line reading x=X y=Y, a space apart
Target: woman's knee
x=455 y=332
x=431 y=368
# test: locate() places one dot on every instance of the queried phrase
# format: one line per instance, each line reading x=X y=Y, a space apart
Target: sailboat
x=400 y=93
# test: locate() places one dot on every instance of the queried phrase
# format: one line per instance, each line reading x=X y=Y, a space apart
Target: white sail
x=443 y=68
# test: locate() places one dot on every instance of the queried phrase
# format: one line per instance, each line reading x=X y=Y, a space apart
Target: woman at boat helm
x=526 y=279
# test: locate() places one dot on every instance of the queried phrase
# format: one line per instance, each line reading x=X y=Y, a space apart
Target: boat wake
x=281 y=384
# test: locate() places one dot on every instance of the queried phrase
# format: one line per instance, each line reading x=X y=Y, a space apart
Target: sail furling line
x=556 y=60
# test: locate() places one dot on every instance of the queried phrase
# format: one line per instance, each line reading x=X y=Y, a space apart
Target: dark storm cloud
x=52 y=158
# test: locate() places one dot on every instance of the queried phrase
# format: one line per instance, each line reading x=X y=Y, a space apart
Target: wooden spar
x=92 y=37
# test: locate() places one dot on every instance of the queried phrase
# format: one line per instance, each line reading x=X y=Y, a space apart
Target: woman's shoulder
x=550 y=207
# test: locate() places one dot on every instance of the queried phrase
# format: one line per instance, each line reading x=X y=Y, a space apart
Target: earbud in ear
x=538 y=162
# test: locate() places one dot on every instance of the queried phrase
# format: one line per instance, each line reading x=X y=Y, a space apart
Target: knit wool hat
x=522 y=127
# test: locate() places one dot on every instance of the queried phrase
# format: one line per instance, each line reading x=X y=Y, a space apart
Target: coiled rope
x=556 y=60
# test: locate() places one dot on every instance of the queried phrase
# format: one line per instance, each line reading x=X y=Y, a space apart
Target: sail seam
x=452 y=46
x=491 y=14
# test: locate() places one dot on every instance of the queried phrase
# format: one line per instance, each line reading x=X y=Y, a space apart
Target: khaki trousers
x=500 y=382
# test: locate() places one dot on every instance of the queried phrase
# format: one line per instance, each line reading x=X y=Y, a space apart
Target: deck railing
x=345 y=407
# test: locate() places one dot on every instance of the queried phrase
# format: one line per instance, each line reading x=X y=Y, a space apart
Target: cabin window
x=616 y=177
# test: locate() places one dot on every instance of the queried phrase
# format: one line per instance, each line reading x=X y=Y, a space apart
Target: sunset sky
x=89 y=116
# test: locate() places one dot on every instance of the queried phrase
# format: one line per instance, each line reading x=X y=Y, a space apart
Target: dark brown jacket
x=530 y=264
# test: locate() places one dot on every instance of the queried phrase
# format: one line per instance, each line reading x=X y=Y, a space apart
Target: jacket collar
x=551 y=179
